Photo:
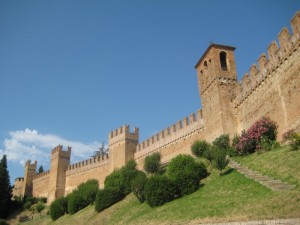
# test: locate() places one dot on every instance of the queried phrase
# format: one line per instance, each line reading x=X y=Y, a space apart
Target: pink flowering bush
x=262 y=131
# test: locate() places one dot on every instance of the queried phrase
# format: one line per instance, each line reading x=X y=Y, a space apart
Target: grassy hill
x=232 y=197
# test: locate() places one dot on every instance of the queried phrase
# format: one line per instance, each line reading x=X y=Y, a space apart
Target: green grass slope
x=232 y=197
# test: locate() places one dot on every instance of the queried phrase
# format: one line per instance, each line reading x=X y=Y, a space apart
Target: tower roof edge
x=213 y=45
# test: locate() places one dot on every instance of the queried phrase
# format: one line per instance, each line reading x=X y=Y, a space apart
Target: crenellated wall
x=272 y=87
x=40 y=184
x=173 y=140
x=93 y=168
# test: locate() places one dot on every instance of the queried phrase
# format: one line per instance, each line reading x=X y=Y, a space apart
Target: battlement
x=40 y=175
x=175 y=132
x=59 y=149
x=91 y=161
x=29 y=165
x=123 y=133
x=277 y=55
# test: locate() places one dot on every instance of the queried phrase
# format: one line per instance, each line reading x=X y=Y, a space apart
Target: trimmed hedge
x=107 y=197
x=199 y=147
x=186 y=173
x=152 y=163
x=58 y=208
x=159 y=189
x=122 y=178
x=138 y=186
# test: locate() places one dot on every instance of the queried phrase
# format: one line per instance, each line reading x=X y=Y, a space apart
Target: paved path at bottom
x=293 y=221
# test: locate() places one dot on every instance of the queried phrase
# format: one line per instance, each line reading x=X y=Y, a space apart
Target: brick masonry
x=271 y=88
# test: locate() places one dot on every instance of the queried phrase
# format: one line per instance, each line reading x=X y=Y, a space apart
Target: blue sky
x=72 y=71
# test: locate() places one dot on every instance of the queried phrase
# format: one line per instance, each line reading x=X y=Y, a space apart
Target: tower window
x=205 y=64
x=223 y=60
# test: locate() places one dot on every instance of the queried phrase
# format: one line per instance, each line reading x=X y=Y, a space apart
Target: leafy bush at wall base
x=222 y=142
x=76 y=203
x=199 y=148
x=82 y=196
x=152 y=163
x=138 y=186
x=220 y=160
x=186 y=173
x=159 y=189
x=88 y=191
x=114 y=180
x=58 y=208
x=106 y=198
x=264 y=130
x=122 y=178
x=292 y=138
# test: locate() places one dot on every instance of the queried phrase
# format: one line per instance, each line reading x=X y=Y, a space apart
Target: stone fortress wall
x=229 y=106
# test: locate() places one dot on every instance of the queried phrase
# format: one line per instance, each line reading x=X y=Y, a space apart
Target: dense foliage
x=262 y=132
x=221 y=160
x=58 y=208
x=222 y=142
x=186 y=173
x=122 y=178
x=199 y=148
x=152 y=163
x=138 y=186
x=292 y=138
x=5 y=189
x=159 y=189
x=107 y=197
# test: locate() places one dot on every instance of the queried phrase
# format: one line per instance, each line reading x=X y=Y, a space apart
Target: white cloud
x=31 y=145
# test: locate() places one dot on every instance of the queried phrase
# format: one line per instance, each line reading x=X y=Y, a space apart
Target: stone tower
x=29 y=172
x=60 y=160
x=122 y=146
x=216 y=72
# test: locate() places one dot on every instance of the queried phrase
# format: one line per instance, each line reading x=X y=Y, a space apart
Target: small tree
x=41 y=169
x=221 y=160
x=199 y=147
x=186 y=173
x=106 y=198
x=39 y=207
x=152 y=163
x=159 y=189
x=58 y=208
x=222 y=142
x=138 y=186
x=5 y=189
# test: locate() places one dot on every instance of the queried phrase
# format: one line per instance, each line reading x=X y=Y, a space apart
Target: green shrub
x=127 y=176
x=159 y=189
x=186 y=173
x=138 y=186
x=58 y=208
x=222 y=142
x=152 y=163
x=220 y=160
x=199 y=148
x=75 y=202
x=114 y=180
x=88 y=191
x=3 y=222
x=209 y=154
x=107 y=197
x=295 y=142
x=122 y=178
x=130 y=165
x=39 y=207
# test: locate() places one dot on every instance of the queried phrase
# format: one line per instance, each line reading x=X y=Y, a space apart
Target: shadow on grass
x=229 y=171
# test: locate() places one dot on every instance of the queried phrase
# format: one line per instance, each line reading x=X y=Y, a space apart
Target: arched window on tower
x=223 y=60
x=205 y=64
